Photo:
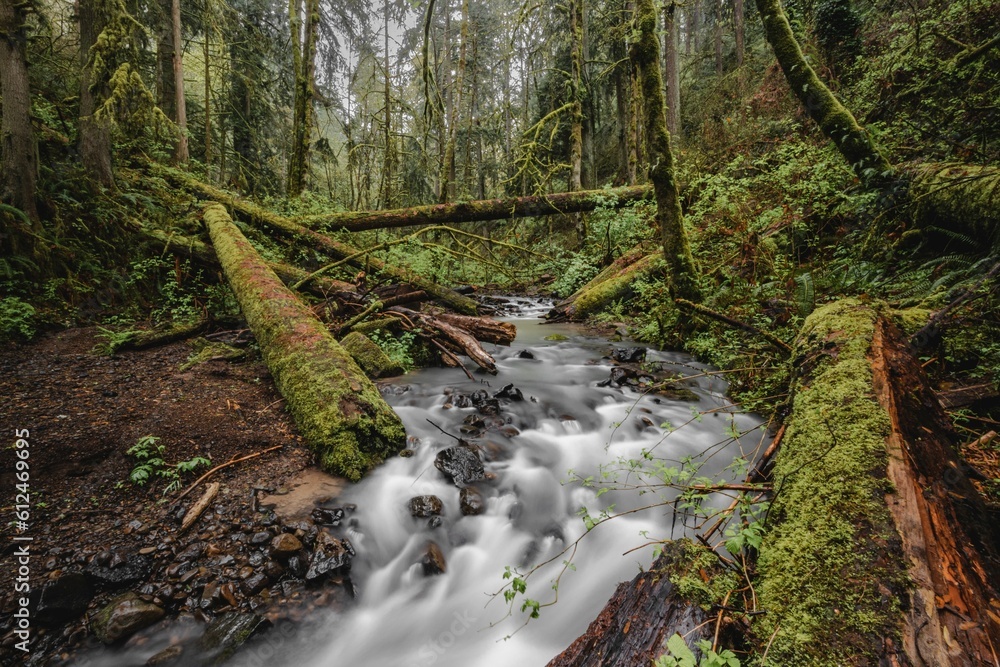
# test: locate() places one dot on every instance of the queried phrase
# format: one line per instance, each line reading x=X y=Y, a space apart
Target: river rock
x=617 y=377
x=629 y=355
x=470 y=499
x=509 y=392
x=327 y=517
x=331 y=555
x=123 y=617
x=460 y=464
x=525 y=354
x=63 y=598
x=227 y=633
x=168 y=656
x=192 y=552
x=422 y=507
x=284 y=546
x=255 y=583
x=433 y=560
x=135 y=570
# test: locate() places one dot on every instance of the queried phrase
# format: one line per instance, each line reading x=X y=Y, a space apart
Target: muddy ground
x=83 y=412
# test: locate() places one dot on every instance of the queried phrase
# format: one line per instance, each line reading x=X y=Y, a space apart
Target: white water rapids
x=566 y=422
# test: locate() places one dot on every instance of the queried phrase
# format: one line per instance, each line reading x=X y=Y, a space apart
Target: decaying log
x=634 y=626
x=597 y=295
x=483 y=210
x=483 y=328
x=307 y=237
x=147 y=338
x=337 y=408
x=958 y=197
x=458 y=340
x=962 y=396
x=878 y=546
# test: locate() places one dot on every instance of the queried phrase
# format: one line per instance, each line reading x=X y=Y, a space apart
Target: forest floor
x=84 y=411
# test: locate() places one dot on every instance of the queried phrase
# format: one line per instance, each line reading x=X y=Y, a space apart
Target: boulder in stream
x=460 y=464
x=422 y=507
x=332 y=555
x=471 y=501
x=123 y=617
x=433 y=560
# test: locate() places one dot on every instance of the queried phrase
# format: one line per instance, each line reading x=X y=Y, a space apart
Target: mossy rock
x=373 y=361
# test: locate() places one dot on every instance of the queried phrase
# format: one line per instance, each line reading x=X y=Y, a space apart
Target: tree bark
x=611 y=285
x=833 y=118
x=672 y=63
x=635 y=624
x=645 y=54
x=166 y=97
x=17 y=140
x=181 y=154
x=962 y=198
x=475 y=211
x=576 y=110
x=337 y=408
x=95 y=133
x=717 y=37
x=902 y=558
x=739 y=28
x=304 y=64
x=335 y=249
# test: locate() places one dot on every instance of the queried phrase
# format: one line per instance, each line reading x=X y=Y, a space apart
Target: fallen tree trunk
x=480 y=211
x=604 y=290
x=962 y=198
x=484 y=329
x=635 y=624
x=337 y=408
x=310 y=238
x=455 y=339
x=880 y=546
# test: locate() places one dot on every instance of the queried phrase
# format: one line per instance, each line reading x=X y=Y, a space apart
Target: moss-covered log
x=338 y=410
x=961 y=198
x=606 y=289
x=373 y=361
x=682 y=277
x=833 y=118
x=482 y=210
x=881 y=550
x=307 y=237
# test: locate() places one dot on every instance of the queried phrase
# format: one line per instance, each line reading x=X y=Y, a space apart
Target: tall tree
x=717 y=36
x=181 y=150
x=671 y=33
x=304 y=19
x=17 y=141
x=739 y=29
x=645 y=53
x=455 y=111
x=166 y=96
x=95 y=130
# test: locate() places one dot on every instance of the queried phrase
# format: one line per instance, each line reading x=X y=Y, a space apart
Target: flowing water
x=566 y=423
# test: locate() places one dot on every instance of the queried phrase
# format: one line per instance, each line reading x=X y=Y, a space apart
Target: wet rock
x=135 y=570
x=327 y=517
x=168 y=656
x=460 y=464
x=262 y=537
x=471 y=500
x=433 y=560
x=525 y=354
x=256 y=559
x=192 y=552
x=434 y=522
x=273 y=570
x=332 y=555
x=509 y=392
x=422 y=507
x=556 y=337
x=63 y=598
x=617 y=377
x=255 y=583
x=123 y=617
x=284 y=546
x=406 y=453
x=629 y=355
x=461 y=401
x=297 y=566
x=509 y=431
x=490 y=407
x=227 y=633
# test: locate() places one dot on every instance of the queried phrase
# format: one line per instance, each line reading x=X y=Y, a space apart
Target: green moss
x=207 y=351
x=959 y=197
x=696 y=573
x=373 y=361
x=911 y=320
x=369 y=327
x=824 y=579
x=597 y=296
x=338 y=410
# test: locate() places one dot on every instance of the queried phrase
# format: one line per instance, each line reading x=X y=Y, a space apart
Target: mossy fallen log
x=959 y=198
x=338 y=410
x=635 y=624
x=603 y=291
x=880 y=550
x=307 y=237
x=143 y=339
x=482 y=210
x=373 y=361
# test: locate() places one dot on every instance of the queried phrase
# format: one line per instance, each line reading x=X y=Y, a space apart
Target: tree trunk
x=576 y=110
x=739 y=28
x=337 y=408
x=304 y=29
x=611 y=285
x=181 y=154
x=17 y=140
x=962 y=198
x=206 y=54
x=836 y=122
x=635 y=624
x=645 y=54
x=475 y=211
x=672 y=62
x=717 y=37
x=331 y=247
x=455 y=112
x=389 y=158
x=902 y=558
x=692 y=19
x=95 y=133
x=166 y=97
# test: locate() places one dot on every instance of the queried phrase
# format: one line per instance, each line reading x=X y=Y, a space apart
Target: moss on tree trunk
x=645 y=55
x=607 y=288
x=337 y=408
x=962 y=198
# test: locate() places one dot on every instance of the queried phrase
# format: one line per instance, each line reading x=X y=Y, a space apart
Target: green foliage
x=150 y=466
x=17 y=319
x=572 y=272
x=399 y=348
x=679 y=655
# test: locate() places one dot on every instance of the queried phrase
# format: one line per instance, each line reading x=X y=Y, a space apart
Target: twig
x=443 y=431
x=454 y=358
x=220 y=467
x=983 y=440
x=708 y=312
x=199 y=507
